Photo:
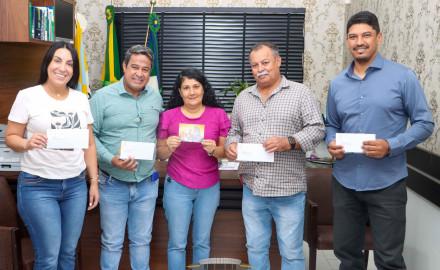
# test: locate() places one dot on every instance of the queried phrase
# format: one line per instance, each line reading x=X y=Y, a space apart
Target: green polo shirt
x=119 y=116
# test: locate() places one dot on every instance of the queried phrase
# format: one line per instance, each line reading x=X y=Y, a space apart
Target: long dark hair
x=209 y=98
x=49 y=56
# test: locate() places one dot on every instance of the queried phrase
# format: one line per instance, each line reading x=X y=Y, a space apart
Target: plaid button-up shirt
x=290 y=110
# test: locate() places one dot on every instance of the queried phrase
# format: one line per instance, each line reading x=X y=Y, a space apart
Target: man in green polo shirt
x=126 y=111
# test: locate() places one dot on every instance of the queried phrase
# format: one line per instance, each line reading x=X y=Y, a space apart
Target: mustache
x=361 y=47
x=262 y=73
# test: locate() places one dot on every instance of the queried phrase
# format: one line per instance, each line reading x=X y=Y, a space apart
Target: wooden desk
x=10 y=176
x=230 y=186
x=160 y=166
x=228 y=235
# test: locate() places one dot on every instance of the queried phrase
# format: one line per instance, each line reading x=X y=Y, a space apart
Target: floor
x=326 y=260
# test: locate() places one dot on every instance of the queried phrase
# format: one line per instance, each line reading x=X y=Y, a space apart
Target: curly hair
x=209 y=98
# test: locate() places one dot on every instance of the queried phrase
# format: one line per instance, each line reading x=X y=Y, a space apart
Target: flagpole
x=152 y=3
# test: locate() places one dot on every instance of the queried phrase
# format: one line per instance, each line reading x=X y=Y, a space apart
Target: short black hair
x=365 y=17
x=138 y=49
x=49 y=56
x=209 y=98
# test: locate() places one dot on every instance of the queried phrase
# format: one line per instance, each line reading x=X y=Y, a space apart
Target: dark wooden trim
x=424 y=161
x=424 y=174
x=228 y=10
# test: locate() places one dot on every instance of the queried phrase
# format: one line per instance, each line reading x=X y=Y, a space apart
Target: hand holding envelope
x=378 y=148
x=353 y=142
x=67 y=138
x=137 y=150
x=253 y=152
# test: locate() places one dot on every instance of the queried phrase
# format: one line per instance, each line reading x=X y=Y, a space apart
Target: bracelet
x=212 y=153
x=93 y=179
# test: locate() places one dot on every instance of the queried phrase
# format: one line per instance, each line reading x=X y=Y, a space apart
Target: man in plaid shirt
x=284 y=117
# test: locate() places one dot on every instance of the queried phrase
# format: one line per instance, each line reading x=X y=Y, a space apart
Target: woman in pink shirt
x=191 y=134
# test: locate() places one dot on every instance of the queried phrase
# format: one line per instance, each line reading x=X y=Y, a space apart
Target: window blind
x=217 y=41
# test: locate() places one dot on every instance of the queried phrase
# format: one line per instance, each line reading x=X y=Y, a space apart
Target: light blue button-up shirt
x=119 y=116
x=381 y=103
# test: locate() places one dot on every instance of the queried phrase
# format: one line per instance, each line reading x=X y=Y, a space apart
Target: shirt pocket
x=118 y=123
x=149 y=117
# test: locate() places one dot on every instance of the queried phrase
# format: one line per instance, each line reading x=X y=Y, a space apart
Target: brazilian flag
x=111 y=71
x=154 y=26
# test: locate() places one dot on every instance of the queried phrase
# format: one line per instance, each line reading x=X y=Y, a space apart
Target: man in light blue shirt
x=373 y=95
x=126 y=111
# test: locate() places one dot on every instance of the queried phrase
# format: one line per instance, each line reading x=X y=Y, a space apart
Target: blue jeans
x=53 y=212
x=180 y=203
x=288 y=214
x=132 y=204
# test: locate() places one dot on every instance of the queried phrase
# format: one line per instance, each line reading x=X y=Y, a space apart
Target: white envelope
x=67 y=138
x=253 y=152
x=137 y=150
x=226 y=165
x=352 y=142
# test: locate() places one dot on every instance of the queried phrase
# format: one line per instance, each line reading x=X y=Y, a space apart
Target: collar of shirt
x=283 y=85
x=375 y=65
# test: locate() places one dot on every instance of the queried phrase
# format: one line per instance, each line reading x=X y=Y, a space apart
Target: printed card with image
x=191 y=132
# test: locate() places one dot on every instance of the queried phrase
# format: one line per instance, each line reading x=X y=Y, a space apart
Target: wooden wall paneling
x=228 y=239
x=19 y=69
x=14 y=20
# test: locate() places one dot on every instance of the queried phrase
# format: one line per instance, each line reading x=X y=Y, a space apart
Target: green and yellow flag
x=154 y=26
x=111 y=71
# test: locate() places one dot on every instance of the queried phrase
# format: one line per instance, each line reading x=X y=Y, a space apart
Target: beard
x=365 y=57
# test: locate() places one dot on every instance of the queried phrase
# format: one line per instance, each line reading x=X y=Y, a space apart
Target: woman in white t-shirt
x=51 y=189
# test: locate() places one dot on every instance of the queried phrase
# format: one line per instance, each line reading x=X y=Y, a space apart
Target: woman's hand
x=209 y=146
x=173 y=142
x=38 y=140
x=93 y=195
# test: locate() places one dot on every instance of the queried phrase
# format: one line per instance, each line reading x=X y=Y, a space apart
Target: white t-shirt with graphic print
x=40 y=112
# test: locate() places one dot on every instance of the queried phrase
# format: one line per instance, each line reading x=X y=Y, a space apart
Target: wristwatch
x=292 y=142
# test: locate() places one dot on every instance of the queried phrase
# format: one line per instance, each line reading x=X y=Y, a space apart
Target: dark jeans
x=385 y=210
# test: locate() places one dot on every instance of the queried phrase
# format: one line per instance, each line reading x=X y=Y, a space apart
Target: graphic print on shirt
x=64 y=120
